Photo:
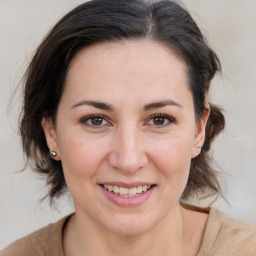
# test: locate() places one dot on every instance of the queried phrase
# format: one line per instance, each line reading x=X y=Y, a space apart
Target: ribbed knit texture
x=223 y=236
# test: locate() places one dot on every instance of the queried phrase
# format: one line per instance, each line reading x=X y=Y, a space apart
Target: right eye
x=160 y=120
x=95 y=121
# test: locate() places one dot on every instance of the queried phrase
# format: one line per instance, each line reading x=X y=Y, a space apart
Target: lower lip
x=128 y=201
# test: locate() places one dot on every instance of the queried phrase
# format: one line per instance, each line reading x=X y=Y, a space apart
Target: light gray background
x=229 y=25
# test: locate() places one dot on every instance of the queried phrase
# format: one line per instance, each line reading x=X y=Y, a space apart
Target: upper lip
x=127 y=185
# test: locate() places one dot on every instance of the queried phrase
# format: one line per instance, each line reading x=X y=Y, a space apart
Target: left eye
x=160 y=120
x=94 y=121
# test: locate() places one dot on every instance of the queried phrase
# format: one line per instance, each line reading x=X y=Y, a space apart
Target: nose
x=128 y=153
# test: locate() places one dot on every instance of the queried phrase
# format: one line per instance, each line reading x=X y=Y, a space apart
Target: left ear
x=51 y=137
x=200 y=131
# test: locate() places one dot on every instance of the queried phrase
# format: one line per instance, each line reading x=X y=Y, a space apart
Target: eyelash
x=86 y=119
x=165 y=118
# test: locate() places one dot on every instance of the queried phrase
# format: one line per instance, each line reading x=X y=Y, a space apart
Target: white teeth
x=123 y=191
x=144 y=188
x=139 y=189
x=127 y=192
x=116 y=189
x=132 y=191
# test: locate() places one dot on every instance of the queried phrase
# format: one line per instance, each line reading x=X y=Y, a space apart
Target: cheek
x=81 y=161
x=81 y=156
x=173 y=156
x=173 y=159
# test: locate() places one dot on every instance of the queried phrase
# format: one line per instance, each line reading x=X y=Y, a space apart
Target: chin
x=130 y=225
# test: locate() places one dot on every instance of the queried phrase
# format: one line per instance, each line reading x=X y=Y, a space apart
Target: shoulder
x=228 y=236
x=45 y=241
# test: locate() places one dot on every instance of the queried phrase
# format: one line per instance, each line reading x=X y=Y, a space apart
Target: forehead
x=125 y=67
x=128 y=52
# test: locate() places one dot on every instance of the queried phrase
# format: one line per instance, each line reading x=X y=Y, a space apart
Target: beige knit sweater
x=223 y=236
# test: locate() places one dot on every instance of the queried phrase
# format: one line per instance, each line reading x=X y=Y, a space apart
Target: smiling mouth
x=127 y=192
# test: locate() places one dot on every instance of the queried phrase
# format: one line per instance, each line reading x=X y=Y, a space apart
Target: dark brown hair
x=100 y=21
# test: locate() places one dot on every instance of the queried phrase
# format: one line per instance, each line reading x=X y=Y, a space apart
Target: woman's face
x=126 y=123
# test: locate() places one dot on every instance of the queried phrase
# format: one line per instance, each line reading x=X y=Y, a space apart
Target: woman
x=115 y=111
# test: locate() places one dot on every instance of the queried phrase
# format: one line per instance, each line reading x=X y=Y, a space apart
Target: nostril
x=128 y=161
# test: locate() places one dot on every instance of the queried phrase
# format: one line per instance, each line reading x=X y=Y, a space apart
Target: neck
x=168 y=237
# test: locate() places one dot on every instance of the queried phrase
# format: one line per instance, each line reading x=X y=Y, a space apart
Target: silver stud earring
x=53 y=154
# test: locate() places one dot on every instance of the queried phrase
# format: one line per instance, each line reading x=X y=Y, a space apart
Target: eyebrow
x=160 y=104
x=96 y=104
x=109 y=107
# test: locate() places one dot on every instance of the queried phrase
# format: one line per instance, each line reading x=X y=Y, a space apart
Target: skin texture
x=128 y=144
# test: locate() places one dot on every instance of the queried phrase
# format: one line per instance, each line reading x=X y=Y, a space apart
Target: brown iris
x=158 y=120
x=97 y=120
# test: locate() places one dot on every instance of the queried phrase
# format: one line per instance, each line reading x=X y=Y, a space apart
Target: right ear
x=51 y=136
